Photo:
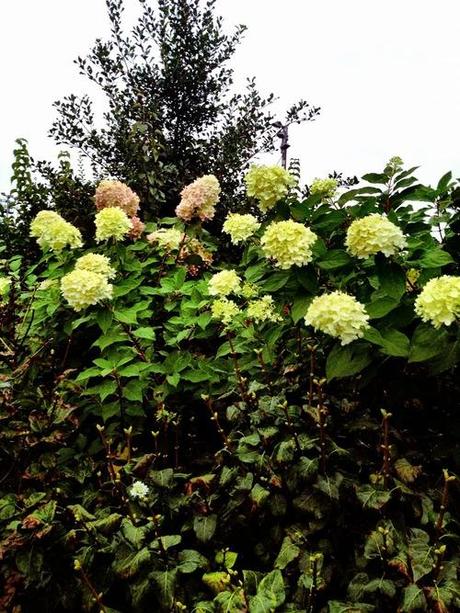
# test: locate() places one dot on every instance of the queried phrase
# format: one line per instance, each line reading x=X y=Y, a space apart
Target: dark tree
x=172 y=114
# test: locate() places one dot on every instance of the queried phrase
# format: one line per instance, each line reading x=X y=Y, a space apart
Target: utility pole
x=283 y=134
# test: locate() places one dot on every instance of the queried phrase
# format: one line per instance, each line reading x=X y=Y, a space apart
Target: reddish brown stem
x=236 y=366
x=385 y=447
x=322 y=414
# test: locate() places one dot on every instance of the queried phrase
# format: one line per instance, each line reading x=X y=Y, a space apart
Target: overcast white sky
x=386 y=74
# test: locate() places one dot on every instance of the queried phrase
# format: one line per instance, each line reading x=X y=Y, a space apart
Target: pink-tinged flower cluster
x=111 y=193
x=137 y=228
x=199 y=199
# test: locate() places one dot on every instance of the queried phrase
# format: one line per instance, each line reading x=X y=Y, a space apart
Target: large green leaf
x=426 y=343
x=270 y=594
x=204 y=527
x=166 y=584
x=288 y=552
x=346 y=361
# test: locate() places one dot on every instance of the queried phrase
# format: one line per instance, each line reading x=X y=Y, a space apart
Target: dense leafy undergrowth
x=182 y=444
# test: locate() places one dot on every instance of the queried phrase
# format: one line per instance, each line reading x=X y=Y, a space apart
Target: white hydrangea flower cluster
x=55 y=233
x=439 y=301
x=169 y=239
x=240 y=227
x=268 y=184
x=373 y=234
x=88 y=284
x=224 y=283
x=288 y=243
x=225 y=310
x=112 y=222
x=199 y=199
x=263 y=310
x=339 y=315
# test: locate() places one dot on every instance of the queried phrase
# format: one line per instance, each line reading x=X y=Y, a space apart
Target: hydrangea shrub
x=275 y=430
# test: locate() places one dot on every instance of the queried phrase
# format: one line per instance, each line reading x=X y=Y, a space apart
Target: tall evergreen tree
x=172 y=112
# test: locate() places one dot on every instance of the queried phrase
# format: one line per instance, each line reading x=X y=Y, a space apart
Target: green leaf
x=307 y=277
x=392 y=279
x=346 y=361
x=395 y=343
x=275 y=281
x=413 y=599
x=270 y=594
x=426 y=342
x=168 y=541
x=336 y=606
x=231 y=602
x=134 y=390
x=128 y=566
x=190 y=560
x=134 y=534
x=166 y=584
x=420 y=553
x=372 y=498
x=226 y=558
x=334 y=259
x=127 y=316
x=104 y=389
x=104 y=320
x=375 y=177
x=162 y=478
x=288 y=552
x=216 y=581
x=352 y=193
x=204 y=527
x=381 y=307
x=444 y=182
x=145 y=332
x=259 y=494
x=114 y=335
x=434 y=258
x=300 y=307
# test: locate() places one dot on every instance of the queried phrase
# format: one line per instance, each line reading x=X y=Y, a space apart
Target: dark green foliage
x=285 y=472
x=172 y=112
